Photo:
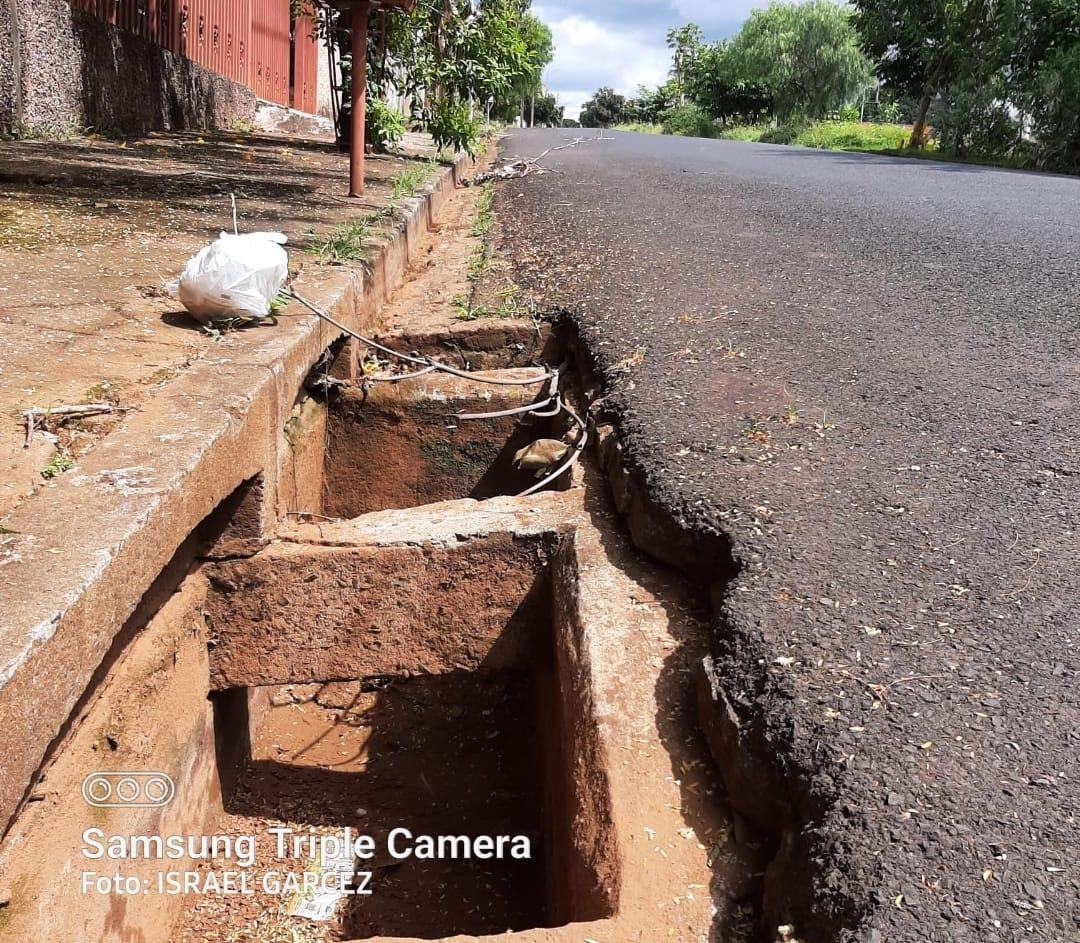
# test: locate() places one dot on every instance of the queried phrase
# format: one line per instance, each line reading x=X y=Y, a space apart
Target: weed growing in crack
x=410 y=180
x=61 y=462
x=478 y=263
x=465 y=310
x=345 y=244
x=485 y=215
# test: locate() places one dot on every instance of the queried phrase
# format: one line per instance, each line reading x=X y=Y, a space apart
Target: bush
x=640 y=127
x=745 y=132
x=452 y=126
x=689 y=121
x=973 y=120
x=853 y=136
x=384 y=126
x=831 y=135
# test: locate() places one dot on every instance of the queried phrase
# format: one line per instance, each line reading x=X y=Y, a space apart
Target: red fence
x=253 y=42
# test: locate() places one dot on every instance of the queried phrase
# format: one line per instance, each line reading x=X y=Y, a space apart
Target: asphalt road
x=862 y=373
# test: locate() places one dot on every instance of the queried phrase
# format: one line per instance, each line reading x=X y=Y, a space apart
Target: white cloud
x=587 y=56
x=622 y=43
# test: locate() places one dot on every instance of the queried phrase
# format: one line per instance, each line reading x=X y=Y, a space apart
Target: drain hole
x=495 y=736
x=449 y=755
x=399 y=447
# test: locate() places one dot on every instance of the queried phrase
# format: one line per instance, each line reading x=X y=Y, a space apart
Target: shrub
x=853 y=136
x=689 y=121
x=384 y=127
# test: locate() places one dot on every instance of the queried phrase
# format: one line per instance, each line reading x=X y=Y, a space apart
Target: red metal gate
x=248 y=41
x=305 y=65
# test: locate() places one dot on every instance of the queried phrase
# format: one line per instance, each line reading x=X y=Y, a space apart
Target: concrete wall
x=63 y=70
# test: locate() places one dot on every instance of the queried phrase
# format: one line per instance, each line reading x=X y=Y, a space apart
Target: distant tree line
x=991 y=79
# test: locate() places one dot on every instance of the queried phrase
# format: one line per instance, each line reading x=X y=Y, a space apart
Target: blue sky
x=621 y=43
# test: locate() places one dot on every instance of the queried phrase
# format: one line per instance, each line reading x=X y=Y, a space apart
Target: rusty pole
x=360 y=12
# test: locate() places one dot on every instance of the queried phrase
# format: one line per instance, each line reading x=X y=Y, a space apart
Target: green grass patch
x=745 y=132
x=826 y=135
x=853 y=136
x=639 y=127
x=410 y=180
x=345 y=244
x=485 y=214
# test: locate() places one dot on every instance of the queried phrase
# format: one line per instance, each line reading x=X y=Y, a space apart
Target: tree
x=540 y=49
x=649 y=106
x=604 y=109
x=1044 y=76
x=716 y=85
x=685 y=44
x=548 y=112
x=447 y=58
x=806 y=55
x=922 y=46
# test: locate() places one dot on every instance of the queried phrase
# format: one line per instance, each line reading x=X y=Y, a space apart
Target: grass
x=465 y=310
x=345 y=244
x=639 y=127
x=826 y=135
x=509 y=307
x=410 y=180
x=485 y=215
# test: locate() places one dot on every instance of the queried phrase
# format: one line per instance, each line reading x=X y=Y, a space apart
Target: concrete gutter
x=86 y=550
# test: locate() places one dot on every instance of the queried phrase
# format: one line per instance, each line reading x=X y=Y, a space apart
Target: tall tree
x=807 y=55
x=604 y=109
x=685 y=44
x=922 y=46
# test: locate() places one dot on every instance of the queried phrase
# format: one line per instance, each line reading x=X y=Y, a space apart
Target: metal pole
x=359 y=96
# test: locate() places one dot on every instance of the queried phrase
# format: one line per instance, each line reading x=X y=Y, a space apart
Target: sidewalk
x=90 y=231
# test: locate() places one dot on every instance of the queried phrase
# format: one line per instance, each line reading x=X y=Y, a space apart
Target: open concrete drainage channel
x=372 y=668
x=493 y=693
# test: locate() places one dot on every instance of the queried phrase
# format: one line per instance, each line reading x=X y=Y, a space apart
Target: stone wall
x=64 y=71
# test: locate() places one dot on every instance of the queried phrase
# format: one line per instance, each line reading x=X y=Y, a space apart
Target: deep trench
x=472 y=751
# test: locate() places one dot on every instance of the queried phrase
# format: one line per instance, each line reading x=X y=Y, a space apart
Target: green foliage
x=448 y=58
x=828 y=135
x=485 y=215
x=638 y=127
x=806 y=55
x=788 y=60
x=972 y=120
x=345 y=244
x=384 y=127
x=61 y=462
x=410 y=180
x=689 y=121
x=851 y=136
x=972 y=65
x=547 y=112
x=649 y=107
x=453 y=125
x=716 y=83
x=604 y=109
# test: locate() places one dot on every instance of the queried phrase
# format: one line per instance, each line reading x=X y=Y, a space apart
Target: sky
x=622 y=43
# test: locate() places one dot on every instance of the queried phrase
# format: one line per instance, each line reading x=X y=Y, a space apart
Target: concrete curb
x=87 y=549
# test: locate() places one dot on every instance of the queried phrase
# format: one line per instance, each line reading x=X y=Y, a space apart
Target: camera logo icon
x=128 y=790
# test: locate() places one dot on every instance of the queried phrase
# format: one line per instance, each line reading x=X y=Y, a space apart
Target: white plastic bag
x=234 y=276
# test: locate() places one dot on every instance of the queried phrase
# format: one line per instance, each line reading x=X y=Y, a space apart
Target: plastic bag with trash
x=236 y=276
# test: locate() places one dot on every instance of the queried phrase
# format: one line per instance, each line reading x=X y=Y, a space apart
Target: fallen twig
x=522 y=167
x=36 y=417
